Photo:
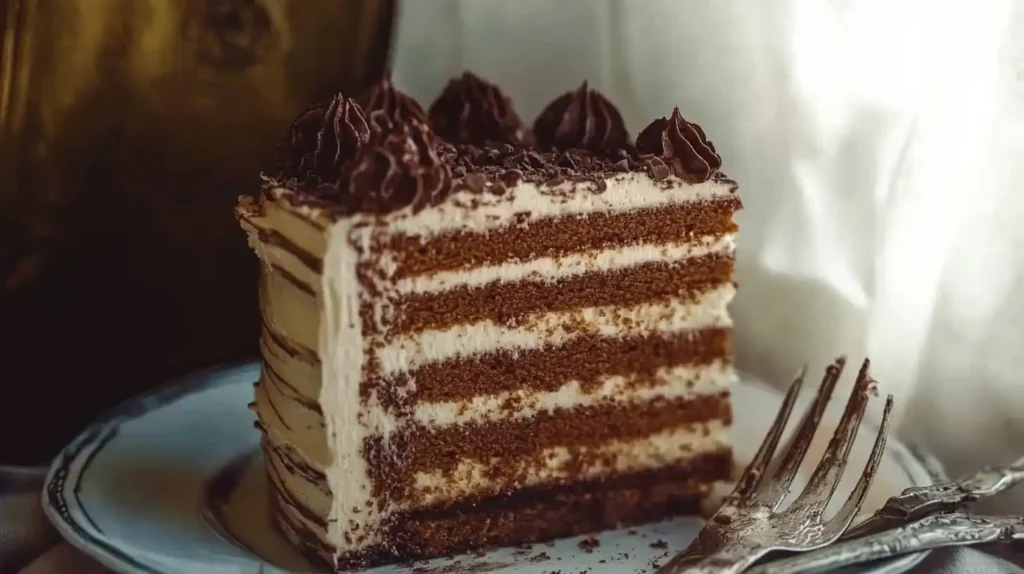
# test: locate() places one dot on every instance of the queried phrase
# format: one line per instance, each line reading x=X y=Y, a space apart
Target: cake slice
x=477 y=335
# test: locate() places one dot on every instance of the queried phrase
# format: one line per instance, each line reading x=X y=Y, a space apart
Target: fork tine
x=755 y=471
x=773 y=492
x=842 y=520
x=823 y=482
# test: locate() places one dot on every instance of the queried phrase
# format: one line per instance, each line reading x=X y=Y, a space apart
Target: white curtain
x=879 y=146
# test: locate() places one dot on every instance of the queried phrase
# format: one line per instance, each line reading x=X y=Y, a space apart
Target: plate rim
x=99 y=432
x=921 y=467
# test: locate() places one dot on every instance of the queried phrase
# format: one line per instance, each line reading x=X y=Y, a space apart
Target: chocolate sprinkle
x=511 y=164
x=589 y=544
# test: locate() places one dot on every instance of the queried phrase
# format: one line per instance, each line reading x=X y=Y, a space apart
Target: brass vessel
x=127 y=130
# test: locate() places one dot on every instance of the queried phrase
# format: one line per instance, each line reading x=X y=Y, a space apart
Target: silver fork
x=921 y=518
x=749 y=524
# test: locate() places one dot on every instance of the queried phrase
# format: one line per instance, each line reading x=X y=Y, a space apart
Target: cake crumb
x=589 y=544
x=446 y=569
x=656 y=561
x=660 y=544
x=458 y=567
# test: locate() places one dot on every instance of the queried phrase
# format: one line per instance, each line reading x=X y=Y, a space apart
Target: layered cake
x=477 y=333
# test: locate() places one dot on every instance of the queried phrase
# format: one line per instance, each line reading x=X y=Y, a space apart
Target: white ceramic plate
x=170 y=482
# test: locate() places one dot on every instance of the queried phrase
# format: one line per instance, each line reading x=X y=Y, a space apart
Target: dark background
x=128 y=128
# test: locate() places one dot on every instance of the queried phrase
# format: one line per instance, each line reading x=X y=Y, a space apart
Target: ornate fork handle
x=939 y=531
x=917 y=502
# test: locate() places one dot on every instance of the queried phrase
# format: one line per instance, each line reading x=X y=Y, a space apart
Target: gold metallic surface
x=127 y=130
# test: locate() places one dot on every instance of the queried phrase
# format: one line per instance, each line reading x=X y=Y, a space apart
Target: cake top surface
x=382 y=152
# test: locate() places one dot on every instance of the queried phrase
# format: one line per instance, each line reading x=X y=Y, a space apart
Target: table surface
x=29 y=545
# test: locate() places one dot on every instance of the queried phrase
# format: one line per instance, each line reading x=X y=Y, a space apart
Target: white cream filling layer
x=527 y=202
x=543 y=269
x=477 y=212
x=295 y=424
x=295 y=313
x=552 y=465
x=556 y=464
x=674 y=383
x=407 y=352
x=555 y=268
